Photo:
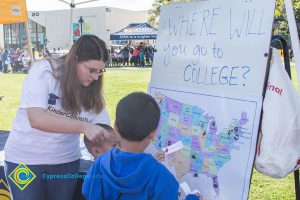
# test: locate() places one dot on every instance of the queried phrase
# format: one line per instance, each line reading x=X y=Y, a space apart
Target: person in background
x=37 y=55
x=125 y=52
x=47 y=52
x=119 y=59
x=112 y=50
x=141 y=48
x=135 y=56
x=110 y=61
x=147 y=55
x=17 y=60
x=130 y=56
x=12 y=57
x=33 y=50
x=142 y=59
x=5 y=61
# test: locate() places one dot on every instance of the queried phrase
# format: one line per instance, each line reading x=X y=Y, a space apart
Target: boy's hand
x=198 y=194
x=160 y=156
x=195 y=195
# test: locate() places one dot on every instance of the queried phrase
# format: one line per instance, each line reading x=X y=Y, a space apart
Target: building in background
x=1 y=37
x=52 y=28
x=14 y=35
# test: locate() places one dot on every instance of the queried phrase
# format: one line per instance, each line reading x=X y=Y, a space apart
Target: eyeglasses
x=94 y=72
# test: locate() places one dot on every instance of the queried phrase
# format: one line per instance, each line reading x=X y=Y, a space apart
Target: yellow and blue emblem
x=22 y=176
x=4 y=191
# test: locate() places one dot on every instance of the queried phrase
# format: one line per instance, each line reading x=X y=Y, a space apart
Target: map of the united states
x=205 y=151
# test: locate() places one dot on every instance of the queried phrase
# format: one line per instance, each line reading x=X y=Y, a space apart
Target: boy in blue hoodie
x=128 y=173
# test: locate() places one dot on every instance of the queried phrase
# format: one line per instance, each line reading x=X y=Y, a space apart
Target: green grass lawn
x=118 y=83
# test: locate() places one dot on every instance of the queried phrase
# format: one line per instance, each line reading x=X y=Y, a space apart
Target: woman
x=5 y=60
x=60 y=99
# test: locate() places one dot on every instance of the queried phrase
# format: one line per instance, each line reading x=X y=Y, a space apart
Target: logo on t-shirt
x=52 y=107
x=52 y=99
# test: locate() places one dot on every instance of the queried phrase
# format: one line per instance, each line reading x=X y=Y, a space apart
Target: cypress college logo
x=22 y=176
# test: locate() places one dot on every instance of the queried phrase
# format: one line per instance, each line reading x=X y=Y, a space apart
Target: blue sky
x=138 y=5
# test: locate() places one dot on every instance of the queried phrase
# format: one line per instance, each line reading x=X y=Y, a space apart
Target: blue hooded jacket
x=123 y=175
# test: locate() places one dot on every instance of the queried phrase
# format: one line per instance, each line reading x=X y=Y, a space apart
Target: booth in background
x=135 y=31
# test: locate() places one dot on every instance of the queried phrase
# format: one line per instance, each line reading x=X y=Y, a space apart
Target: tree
x=281 y=18
x=154 y=13
x=155 y=10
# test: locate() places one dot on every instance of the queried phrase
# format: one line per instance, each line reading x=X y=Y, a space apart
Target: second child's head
x=137 y=118
x=97 y=149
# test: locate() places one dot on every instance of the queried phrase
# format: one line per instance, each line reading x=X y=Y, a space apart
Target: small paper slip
x=174 y=147
x=186 y=188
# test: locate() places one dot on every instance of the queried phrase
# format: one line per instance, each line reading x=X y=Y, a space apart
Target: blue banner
x=136 y=31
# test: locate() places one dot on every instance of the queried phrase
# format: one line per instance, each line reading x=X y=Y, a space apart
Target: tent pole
x=29 y=44
x=28 y=39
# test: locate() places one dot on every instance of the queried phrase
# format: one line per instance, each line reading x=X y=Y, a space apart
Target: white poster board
x=214 y=45
x=208 y=76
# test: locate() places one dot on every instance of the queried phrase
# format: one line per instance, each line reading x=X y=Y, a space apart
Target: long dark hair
x=73 y=95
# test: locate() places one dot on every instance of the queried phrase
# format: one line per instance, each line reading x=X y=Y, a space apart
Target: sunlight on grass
x=119 y=83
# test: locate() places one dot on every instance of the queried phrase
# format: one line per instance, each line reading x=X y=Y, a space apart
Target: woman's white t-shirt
x=32 y=146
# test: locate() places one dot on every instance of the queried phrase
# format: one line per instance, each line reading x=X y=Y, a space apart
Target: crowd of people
x=18 y=60
x=131 y=56
x=14 y=60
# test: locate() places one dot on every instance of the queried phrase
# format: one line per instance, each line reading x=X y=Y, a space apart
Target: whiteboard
x=208 y=78
x=214 y=45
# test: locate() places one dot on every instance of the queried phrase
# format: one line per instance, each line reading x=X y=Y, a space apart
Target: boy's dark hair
x=89 y=143
x=105 y=126
x=137 y=115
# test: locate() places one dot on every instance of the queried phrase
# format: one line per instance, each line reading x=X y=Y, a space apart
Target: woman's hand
x=96 y=134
